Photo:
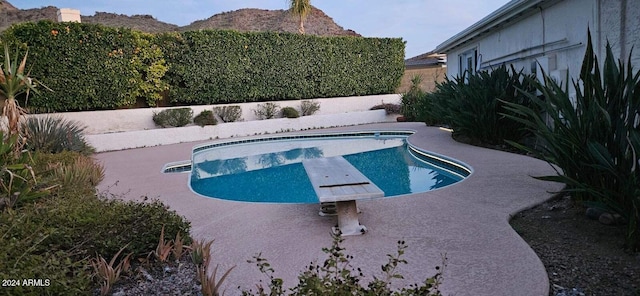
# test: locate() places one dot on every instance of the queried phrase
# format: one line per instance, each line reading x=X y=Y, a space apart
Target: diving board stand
x=334 y=179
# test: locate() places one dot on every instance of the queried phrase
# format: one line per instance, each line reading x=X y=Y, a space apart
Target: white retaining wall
x=113 y=121
x=134 y=128
x=164 y=136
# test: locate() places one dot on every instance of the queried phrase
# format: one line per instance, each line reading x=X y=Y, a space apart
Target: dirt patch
x=582 y=256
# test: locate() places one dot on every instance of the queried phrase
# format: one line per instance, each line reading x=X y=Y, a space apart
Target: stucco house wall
x=551 y=34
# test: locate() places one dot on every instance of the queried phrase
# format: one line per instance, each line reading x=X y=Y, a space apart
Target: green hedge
x=92 y=67
x=89 y=66
x=209 y=67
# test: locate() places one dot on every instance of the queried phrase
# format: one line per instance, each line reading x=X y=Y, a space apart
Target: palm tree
x=300 y=8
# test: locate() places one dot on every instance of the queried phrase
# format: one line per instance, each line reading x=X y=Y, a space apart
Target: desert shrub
x=54 y=238
x=309 y=107
x=336 y=276
x=388 y=108
x=290 y=112
x=205 y=117
x=17 y=178
x=106 y=225
x=25 y=255
x=83 y=171
x=409 y=100
x=267 y=110
x=473 y=105
x=54 y=134
x=593 y=140
x=176 y=117
x=229 y=113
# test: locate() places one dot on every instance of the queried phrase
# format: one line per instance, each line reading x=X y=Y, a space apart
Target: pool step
x=177 y=167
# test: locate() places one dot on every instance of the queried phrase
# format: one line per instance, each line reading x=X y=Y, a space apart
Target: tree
x=301 y=9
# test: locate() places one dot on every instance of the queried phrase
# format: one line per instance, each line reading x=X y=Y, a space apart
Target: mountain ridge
x=245 y=19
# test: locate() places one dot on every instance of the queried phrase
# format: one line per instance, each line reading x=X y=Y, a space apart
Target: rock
x=607 y=219
x=611 y=219
x=594 y=213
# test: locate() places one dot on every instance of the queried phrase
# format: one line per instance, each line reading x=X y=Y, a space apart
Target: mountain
x=251 y=19
x=144 y=23
x=4 y=5
x=248 y=19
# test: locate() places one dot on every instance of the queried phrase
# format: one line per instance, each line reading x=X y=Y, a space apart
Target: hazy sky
x=423 y=24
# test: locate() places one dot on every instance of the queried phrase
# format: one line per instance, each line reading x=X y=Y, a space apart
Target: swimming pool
x=269 y=169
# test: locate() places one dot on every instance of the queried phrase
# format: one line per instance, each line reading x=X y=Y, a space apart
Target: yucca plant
x=472 y=105
x=14 y=82
x=594 y=141
x=54 y=134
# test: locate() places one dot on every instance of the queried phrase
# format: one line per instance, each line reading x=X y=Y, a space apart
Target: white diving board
x=334 y=179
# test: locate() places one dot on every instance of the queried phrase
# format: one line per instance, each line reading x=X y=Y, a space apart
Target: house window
x=468 y=61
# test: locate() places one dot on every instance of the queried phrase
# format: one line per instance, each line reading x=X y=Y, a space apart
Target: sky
x=422 y=24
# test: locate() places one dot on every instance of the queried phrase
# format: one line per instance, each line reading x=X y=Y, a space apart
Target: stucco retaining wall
x=113 y=121
x=134 y=128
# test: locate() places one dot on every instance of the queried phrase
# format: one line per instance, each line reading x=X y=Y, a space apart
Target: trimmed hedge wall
x=92 y=67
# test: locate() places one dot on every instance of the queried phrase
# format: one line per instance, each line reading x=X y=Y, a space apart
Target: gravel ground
x=159 y=279
x=582 y=256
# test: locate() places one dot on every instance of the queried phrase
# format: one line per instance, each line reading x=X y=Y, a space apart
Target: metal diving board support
x=334 y=179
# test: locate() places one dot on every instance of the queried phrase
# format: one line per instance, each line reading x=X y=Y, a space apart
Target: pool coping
x=467 y=221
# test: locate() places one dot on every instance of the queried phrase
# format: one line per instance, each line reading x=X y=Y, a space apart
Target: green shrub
x=409 y=100
x=336 y=276
x=95 y=220
x=107 y=68
x=593 y=140
x=17 y=178
x=473 y=105
x=205 y=118
x=176 y=117
x=24 y=254
x=54 y=238
x=309 y=107
x=388 y=108
x=290 y=112
x=232 y=67
x=54 y=134
x=103 y=67
x=267 y=110
x=82 y=171
x=229 y=113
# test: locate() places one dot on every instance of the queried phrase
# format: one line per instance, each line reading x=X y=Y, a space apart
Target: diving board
x=334 y=179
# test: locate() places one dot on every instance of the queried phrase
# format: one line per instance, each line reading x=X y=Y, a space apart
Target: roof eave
x=509 y=11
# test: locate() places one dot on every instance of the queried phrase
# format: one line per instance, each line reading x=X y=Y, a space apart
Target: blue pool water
x=237 y=172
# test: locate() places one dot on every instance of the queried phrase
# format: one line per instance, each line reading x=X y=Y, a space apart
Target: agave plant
x=54 y=134
x=594 y=139
x=14 y=81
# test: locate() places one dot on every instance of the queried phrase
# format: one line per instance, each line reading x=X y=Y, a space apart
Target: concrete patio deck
x=467 y=221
